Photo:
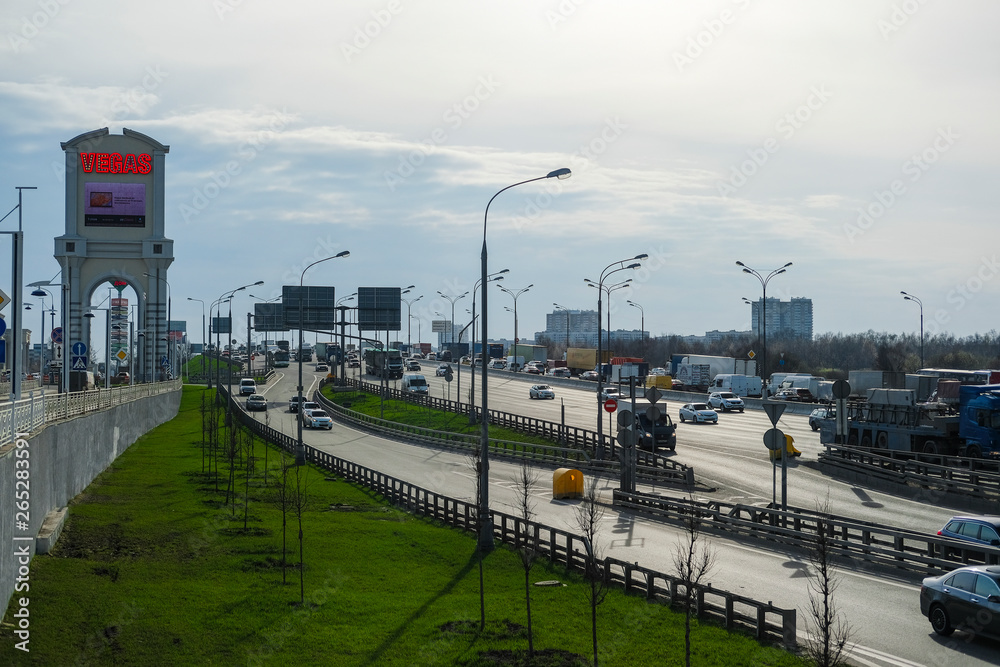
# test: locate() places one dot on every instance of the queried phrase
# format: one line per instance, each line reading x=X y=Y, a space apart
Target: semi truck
x=530 y=352
x=579 y=359
x=692 y=377
x=892 y=419
x=862 y=381
x=716 y=364
x=387 y=364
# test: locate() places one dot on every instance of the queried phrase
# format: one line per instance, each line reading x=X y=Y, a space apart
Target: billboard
x=316 y=304
x=114 y=204
x=379 y=309
x=269 y=317
x=222 y=325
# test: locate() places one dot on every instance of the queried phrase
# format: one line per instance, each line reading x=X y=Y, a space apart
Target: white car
x=498 y=364
x=609 y=392
x=659 y=371
x=698 y=413
x=725 y=401
x=442 y=370
x=541 y=391
x=317 y=418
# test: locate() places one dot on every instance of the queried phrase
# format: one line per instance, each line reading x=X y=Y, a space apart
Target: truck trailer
x=579 y=359
x=891 y=419
x=387 y=364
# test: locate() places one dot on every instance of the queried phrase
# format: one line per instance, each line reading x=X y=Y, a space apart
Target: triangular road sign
x=773 y=411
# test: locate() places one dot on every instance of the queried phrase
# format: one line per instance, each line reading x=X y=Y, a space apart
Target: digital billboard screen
x=114 y=204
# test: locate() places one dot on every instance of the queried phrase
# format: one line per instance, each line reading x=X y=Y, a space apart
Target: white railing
x=38 y=409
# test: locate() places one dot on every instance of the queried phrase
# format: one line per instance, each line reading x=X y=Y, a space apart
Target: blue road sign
x=79 y=363
x=79 y=349
x=3 y=350
x=3 y=327
x=56 y=335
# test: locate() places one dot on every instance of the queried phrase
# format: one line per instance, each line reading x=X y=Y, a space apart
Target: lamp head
x=38 y=292
x=739 y=263
x=89 y=315
x=746 y=270
x=561 y=174
x=635 y=265
x=27 y=306
x=641 y=257
x=342 y=253
x=787 y=265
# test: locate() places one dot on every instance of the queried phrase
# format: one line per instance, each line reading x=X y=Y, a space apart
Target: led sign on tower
x=114 y=163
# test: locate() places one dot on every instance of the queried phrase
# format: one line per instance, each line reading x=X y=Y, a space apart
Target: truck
x=579 y=359
x=515 y=363
x=692 y=377
x=741 y=385
x=863 y=380
x=892 y=419
x=530 y=352
x=386 y=364
x=716 y=364
x=810 y=382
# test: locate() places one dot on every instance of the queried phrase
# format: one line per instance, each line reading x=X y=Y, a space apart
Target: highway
x=883 y=609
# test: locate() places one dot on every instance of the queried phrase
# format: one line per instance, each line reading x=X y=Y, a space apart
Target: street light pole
x=452 y=299
x=910 y=297
x=300 y=450
x=485 y=522
x=410 y=302
x=642 y=326
x=566 y=310
x=514 y=295
x=202 y=322
x=763 y=284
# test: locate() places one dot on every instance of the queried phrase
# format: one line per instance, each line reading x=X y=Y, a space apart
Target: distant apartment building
x=578 y=328
x=792 y=318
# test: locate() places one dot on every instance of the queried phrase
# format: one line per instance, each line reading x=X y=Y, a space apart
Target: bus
x=964 y=377
x=279 y=358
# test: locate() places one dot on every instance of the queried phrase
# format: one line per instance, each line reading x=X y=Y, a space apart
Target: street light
x=564 y=308
x=642 y=325
x=485 y=524
x=763 y=284
x=89 y=314
x=410 y=302
x=202 y=322
x=493 y=277
x=453 y=299
x=226 y=296
x=170 y=357
x=41 y=293
x=514 y=295
x=910 y=297
x=300 y=451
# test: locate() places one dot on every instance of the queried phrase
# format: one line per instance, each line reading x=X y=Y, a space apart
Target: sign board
x=4 y=299
x=3 y=352
x=269 y=317
x=79 y=363
x=653 y=413
x=57 y=352
x=379 y=309
x=79 y=349
x=318 y=305
x=222 y=325
x=773 y=410
x=625 y=419
x=628 y=437
x=3 y=326
x=774 y=439
x=653 y=395
x=751 y=354
x=610 y=405
x=57 y=335
x=841 y=389
x=122 y=355
x=440 y=326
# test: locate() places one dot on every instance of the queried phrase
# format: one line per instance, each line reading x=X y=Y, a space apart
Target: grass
x=414 y=414
x=153 y=568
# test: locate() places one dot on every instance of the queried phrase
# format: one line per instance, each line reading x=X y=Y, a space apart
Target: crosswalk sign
x=79 y=363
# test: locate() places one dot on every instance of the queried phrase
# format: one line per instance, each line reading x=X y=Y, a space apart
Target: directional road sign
x=79 y=349
x=79 y=363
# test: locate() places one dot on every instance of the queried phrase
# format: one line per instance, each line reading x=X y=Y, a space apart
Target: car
x=499 y=364
x=247 y=387
x=322 y=368
x=256 y=402
x=964 y=599
x=478 y=363
x=726 y=401
x=293 y=403
x=534 y=370
x=609 y=392
x=589 y=375
x=354 y=363
x=316 y=419
x=819 y=414
x=120 y=378
x=541 y=391
x=561 y=372
x=698 y=413
x=412 y=365
x=659 y=371
x=982 y=530
x=442 y=370
x=310 y=405
x=786 y=395
x=431 y=356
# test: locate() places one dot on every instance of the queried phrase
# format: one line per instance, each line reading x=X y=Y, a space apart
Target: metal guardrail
x=851 y=538
x=764 y=619
x=979 y=478
x=34 y=412
x=652 y=467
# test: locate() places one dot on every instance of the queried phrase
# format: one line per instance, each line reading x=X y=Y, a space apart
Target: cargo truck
x=862 y=381
x=891 y=419
x=716 y=364
x=387 y=364
x=692 y=377
x=741 y=385
x=530 y=352
x=579 y=359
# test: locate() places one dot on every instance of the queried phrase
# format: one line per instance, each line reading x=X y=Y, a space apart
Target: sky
x=857 y=140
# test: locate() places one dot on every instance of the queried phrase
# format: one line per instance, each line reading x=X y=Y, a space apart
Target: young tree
x=830 y=630
x=299 y=502
x=282 y=499
x=527 y=539
x=692 y=562
x=473 y=461
x=589 y=515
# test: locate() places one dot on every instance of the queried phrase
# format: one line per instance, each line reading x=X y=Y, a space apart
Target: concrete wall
x=64 y=458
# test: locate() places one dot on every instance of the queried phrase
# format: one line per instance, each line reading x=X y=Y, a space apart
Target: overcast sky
x=857 y=139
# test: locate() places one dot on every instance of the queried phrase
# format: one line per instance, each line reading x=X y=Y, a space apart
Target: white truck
x=741 y=385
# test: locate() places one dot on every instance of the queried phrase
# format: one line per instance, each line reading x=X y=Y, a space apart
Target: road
x=882 y=609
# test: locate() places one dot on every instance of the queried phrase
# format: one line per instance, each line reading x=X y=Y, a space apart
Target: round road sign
x=653 y=413
x=610 y=405
x=774 y=439
x=625 y=419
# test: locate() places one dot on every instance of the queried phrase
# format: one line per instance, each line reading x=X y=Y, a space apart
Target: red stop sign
x=610 y=405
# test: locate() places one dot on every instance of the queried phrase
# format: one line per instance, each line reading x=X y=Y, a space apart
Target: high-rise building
x=578 y=328
x=793 y=318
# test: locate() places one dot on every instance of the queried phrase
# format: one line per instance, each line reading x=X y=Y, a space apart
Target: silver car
x=541 y=391
x=698 y=413
x=725 y=401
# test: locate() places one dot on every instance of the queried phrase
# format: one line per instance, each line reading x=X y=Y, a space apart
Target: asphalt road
x=883 y=609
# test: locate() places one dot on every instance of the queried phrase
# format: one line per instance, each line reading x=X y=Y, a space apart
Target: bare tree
x=474 y=460
x=527 y=539
x=299 y=502
x=828 y=626
x=589 y=515
x=693 y=561
x=282 y=499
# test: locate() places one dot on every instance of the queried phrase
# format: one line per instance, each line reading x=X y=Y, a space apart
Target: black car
x=293 y=403
x=964 y=599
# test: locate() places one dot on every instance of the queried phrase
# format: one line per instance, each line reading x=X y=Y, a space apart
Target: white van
x=415 y=384
x=247 y=387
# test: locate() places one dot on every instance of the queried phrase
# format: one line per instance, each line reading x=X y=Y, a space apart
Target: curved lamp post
x=485 y=522
x=493 y=277
x=558 y=307
x=909 y=297
x=764 y=280
x=300 y=450
x=452 y=300
x=409 y=303
x=514 y=294
x=642 y=326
